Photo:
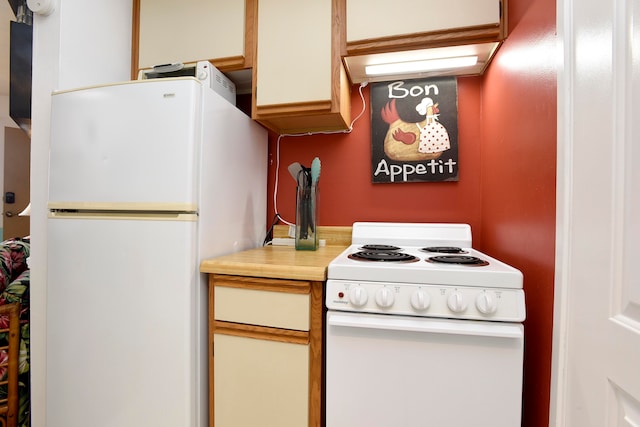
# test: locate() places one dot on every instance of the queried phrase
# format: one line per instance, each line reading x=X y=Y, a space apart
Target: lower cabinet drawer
x=260 y=383
x=263 y=308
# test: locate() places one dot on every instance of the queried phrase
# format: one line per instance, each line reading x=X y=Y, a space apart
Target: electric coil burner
x=458 y=259
x=444 y=249
x=382 y=256
x=373 y=247
x=414 y=316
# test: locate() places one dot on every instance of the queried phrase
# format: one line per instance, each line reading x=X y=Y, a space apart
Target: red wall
x=518 y=179
x=347 y=193
x=506 y=190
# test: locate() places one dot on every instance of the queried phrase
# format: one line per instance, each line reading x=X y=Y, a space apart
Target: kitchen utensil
x=315 y=171
x=315 y=176
x=306 y=238
x=294 y=169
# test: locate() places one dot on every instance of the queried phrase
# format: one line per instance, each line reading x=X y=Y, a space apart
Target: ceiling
x=6 y=15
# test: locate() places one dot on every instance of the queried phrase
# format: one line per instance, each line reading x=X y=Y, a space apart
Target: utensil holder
x=306 y=217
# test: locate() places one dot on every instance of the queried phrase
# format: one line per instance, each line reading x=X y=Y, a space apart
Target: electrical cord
x=277 y=217
x=269 y=237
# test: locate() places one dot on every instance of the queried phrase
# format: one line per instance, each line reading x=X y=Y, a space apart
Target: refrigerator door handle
x=142 y=216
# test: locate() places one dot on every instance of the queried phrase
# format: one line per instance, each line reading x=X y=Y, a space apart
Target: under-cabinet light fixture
x=421 y=66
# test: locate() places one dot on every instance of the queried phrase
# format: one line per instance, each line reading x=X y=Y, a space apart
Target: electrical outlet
x=279 y=241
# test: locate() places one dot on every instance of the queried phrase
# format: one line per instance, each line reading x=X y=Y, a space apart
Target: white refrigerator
x=146 y=179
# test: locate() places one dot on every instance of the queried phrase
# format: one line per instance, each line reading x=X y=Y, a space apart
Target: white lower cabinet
x=259 y=382
x=265 y=360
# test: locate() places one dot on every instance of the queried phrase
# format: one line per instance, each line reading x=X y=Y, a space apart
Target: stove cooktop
x=413 y=265
x=429 y=253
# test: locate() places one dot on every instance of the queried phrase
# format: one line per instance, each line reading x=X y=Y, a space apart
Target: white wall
x=83 y=42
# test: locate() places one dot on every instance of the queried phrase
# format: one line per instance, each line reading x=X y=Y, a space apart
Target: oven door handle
x=426 y=325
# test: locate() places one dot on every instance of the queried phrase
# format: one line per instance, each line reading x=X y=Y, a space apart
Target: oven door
x=390 y=371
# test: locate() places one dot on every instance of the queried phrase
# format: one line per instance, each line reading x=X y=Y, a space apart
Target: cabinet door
x=294 y=51
x=404 y=17
x=191 y=30
x=300 y=84
x=260 y=382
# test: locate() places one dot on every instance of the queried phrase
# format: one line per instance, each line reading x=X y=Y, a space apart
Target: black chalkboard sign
x=414 y=130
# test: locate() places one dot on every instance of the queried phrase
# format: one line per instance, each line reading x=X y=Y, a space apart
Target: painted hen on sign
x=407 y=141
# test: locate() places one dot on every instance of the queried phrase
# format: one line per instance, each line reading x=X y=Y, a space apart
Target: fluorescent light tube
x=421 y=66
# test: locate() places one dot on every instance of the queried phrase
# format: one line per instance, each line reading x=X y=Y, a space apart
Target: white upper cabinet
x=300 y=84
x=192 y=30
x=367 y=19
x=294 y=51
x=380 y=32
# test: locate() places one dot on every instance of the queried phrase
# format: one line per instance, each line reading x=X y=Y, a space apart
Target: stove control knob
x=456 y=302
x=384 y=297
x=358 y=296
x=420 y=300
x=486 y=302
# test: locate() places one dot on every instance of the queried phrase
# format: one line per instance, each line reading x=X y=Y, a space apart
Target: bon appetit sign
x=414 y=130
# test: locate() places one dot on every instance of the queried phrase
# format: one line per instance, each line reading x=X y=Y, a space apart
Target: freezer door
x=134 y=143
x=125 y=327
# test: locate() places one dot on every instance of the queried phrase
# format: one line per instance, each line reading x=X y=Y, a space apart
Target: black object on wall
x=21 y=53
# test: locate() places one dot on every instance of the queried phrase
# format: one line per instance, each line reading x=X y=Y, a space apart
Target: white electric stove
x=422 y=329
x=423 y=270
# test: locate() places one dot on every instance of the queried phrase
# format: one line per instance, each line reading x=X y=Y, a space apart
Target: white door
x=122 y=323
x=126 y=143
x=596 y=357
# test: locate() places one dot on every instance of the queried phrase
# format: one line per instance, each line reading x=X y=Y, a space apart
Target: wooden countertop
x=283 y=262
x=278 y=262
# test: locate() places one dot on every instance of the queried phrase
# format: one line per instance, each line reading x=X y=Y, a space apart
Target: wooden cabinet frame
x=312 y=338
